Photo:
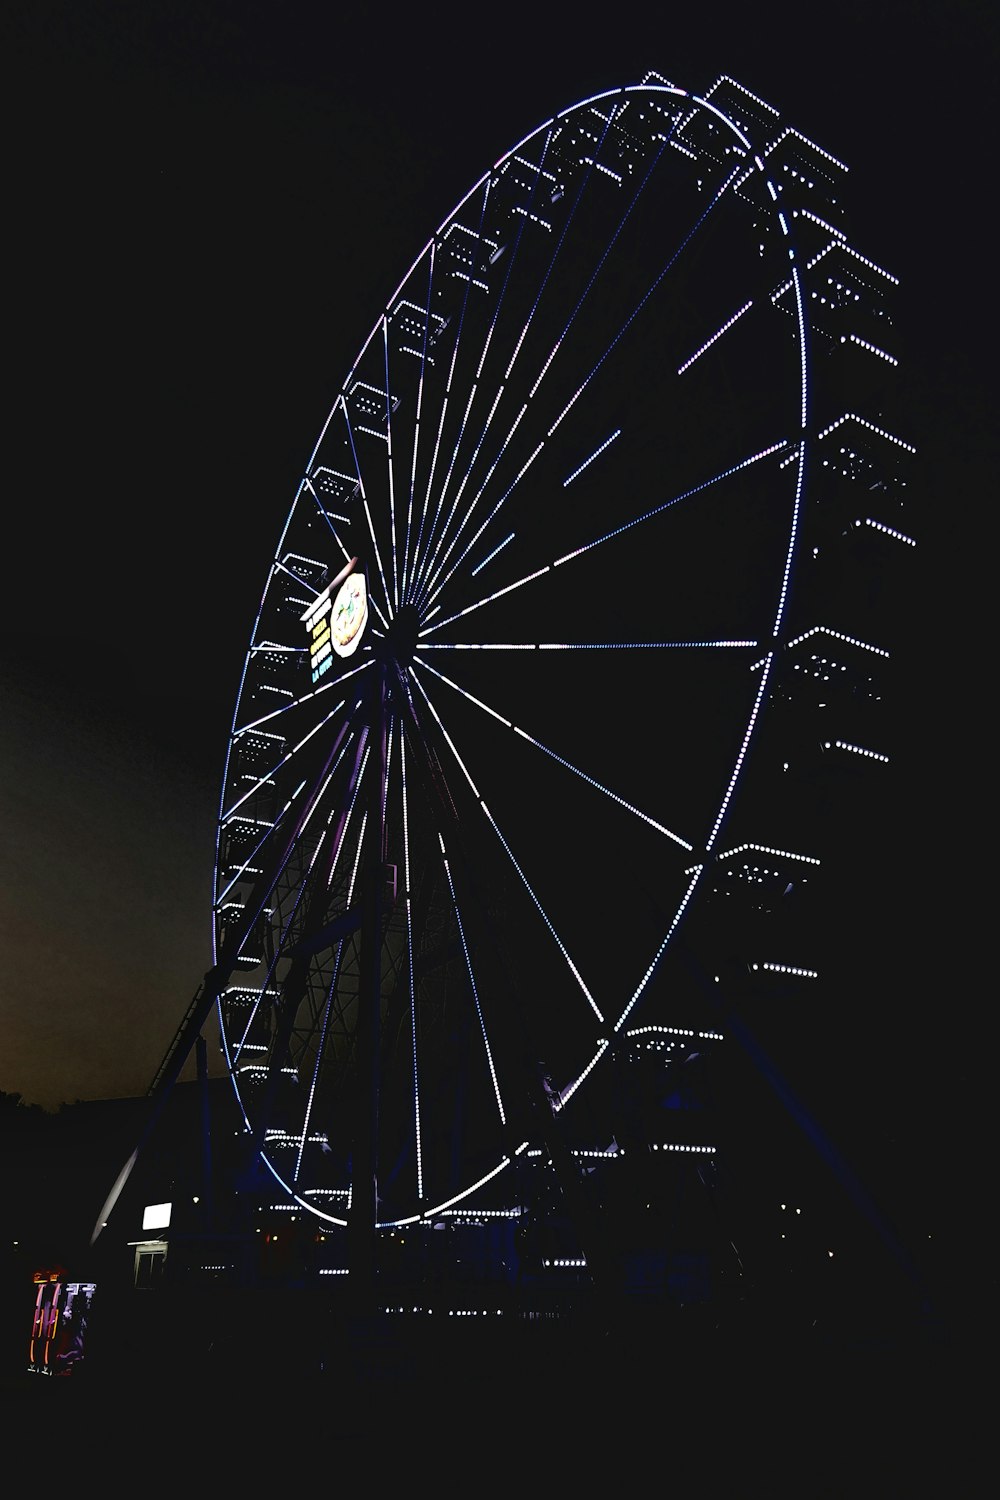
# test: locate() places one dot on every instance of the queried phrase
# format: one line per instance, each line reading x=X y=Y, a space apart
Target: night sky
x=207 y=208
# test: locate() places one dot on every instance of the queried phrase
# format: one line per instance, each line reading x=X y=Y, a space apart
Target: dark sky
x=207 y=206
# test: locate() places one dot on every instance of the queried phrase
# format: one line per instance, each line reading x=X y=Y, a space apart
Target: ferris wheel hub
x=400 y=641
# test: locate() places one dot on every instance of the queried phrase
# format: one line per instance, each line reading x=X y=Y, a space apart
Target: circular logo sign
x=348 y=616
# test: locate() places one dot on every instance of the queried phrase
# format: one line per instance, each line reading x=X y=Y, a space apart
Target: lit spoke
x=608 y=536
x=411 y=500
x=474 y=388
x=560 y=760
x=448 y=385
x=389 y=465
x=472 y=982
x=376 y=553
x=436 y=582
x=294 y=703
x=411 y=982
x=578 y=977
x=502 y=385
x=584 y=645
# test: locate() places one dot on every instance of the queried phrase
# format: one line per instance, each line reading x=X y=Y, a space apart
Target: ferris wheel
x=513 y=648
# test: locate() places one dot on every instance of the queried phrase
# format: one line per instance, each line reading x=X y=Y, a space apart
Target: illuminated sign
x=349 y=614
x=156 y=1216
x=336 y=619
x=58 y=1323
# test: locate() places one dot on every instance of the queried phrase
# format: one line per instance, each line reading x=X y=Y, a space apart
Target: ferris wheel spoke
x=428 y=484
x=390 y=466
x=436 y=581
x=289 y=709
x=567 y=765
x=256 y=782
x=329 y=518
x=434 y=586
x=499 y=1027
x=241 y=871
x=331 y=989
x=608 y=536
x=715 y=337
x=437 y=562
x=475 y=383
x=490 y=1062
x=584 y=184
x=780 y=447
x=546 y=920
x=299 y=890
x=429 y=505
x=715 y=645
x=434 y=572
x=334 y=834
x=376 y=550
x=409 y=538
x=335 y=936
x=429 y=1093
x=653 y=287
x=411 y=991
x=272 y=828
x=278 y=847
